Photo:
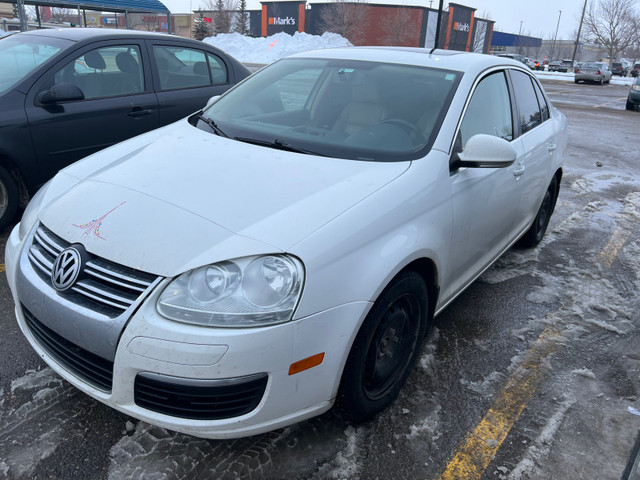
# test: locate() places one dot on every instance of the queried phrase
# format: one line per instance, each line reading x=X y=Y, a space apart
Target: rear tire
x=9 y=198
x=385 y=349
x=536 y=232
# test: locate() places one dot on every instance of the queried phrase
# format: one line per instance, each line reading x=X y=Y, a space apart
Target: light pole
x=575 y=47
x=553 y=45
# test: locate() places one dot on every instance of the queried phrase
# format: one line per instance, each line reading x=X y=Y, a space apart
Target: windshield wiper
x=213 y=125
x=278 y=145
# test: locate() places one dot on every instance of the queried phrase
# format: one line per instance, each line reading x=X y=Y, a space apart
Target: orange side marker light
x=306 y=363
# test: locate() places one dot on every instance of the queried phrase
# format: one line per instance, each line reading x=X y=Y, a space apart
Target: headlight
x=246 y=292
x=30 y=215
x=635 y=87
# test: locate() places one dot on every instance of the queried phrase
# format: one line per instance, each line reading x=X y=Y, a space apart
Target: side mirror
x=486 y=151
x=211 y=101
x=60 y=92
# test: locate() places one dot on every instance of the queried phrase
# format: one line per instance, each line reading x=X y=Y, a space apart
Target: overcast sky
x=539 y=17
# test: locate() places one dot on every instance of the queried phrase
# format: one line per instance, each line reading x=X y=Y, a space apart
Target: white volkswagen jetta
x=244 y=268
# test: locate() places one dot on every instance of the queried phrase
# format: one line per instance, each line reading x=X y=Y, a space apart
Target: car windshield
x=21 y=54
x=338 y=108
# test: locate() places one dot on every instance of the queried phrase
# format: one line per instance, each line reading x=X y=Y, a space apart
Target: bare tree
x=612 y=23
x=222 y=12
x=61 y=15
x=347 y=18
x=397 y=28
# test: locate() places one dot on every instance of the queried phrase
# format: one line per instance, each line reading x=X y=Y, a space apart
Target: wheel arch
x=17 y=174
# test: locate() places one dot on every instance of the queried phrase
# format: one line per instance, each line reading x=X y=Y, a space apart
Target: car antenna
x=438 y=23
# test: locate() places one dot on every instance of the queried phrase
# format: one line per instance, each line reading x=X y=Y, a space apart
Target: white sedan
x=286 y=249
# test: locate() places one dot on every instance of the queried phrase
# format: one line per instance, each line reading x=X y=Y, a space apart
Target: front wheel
x=385 y=348
x=629 y=105
x=537 y=230
x=9 y=198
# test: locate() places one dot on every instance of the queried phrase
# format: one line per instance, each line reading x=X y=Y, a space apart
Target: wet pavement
x=532 y=373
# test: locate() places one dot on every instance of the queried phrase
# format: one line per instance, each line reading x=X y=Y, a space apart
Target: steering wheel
x=410 y=128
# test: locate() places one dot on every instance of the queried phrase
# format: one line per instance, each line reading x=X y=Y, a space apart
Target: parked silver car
x=598 y=72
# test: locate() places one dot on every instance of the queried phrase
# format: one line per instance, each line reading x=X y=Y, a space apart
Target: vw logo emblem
x=66 y=269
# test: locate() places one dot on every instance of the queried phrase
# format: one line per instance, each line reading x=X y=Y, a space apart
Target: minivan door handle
x=139 y=112
x=551 y=147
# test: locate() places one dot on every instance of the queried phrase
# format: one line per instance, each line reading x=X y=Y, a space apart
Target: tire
x=536 y=232
x=577 y=81
x=9 y=198
x=629 y=106
x=385 y=348
x=601 y=81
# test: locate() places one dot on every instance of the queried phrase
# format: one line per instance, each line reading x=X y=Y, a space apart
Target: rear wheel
x=601 y=80
x=385 y=348
x=9 y=198
x=537 y=230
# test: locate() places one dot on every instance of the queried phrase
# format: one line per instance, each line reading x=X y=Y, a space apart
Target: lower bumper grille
x=91 y=368
x=199 y=399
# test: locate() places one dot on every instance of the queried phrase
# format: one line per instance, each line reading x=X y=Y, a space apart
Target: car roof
x=78 y=34
x=444 y=59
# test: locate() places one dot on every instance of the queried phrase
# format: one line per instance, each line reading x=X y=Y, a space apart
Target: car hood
x=179 y=197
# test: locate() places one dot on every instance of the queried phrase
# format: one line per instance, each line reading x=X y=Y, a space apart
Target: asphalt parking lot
x=532 y=373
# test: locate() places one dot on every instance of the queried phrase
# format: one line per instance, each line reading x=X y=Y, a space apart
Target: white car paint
x=178 y=198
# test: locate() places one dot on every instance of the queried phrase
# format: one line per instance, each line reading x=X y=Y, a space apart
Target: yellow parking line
x=2 y=267
x=480 y=446
x=611 y=249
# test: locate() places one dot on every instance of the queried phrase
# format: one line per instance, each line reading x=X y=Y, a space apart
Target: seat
x=364 y=109
x=130 y=79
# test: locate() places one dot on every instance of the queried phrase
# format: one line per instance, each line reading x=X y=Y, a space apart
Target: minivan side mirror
x=486 y=151
x=60 y=92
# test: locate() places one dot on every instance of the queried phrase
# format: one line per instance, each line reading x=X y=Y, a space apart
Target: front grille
x=91 y=368
x=199 y=399
x=109 y=287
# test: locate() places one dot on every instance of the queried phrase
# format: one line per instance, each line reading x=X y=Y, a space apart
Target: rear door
x=119 y=103
x=537 y=139
x=186 y=77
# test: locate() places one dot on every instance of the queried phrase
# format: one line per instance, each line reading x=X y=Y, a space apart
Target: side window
x=105 y=72
x=181 y=67
x=530 y=115
x=489 y=110
x=544 y=108
x=218 y=69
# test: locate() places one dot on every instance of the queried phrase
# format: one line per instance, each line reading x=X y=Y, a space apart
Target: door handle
x=519 y=170
x=139 y=112
x=551 y=147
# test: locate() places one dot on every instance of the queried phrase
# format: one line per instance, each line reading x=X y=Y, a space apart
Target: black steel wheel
x=9 y=198
x=385 y=348
x=537 y=230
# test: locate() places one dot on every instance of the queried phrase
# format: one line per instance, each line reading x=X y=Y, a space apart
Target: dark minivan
x=67 y=93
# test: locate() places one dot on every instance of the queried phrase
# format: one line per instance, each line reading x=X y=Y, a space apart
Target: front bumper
x=634 y=97
x=187 y=360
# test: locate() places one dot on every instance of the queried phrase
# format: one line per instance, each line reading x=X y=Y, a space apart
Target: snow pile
x=570 y=76
x=270 y=49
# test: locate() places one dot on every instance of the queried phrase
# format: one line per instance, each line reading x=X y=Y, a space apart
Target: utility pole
x=575 y=47
x=23 y=20
x=553 y=45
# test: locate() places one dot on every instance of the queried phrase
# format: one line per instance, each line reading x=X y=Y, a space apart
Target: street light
x=553 y=45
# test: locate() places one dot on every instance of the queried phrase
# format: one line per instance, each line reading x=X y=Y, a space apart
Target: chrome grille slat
x=114 y=288
x=98 y=296
x=48 y=243
x=40 y=261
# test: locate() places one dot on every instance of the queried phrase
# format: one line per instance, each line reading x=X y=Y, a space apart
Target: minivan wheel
x=536 y=232
x=385 y=348
x=9 y=198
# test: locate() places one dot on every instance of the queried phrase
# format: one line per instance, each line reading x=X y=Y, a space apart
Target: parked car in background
x=515 y=56
x=529 y=63
x=286 y=248
x=597 y=72
x=618 y=68
x=635 y=71
x=557 y=66
x=633 y=100
x=67 y=93
x=568 y=64
x=538 y=65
